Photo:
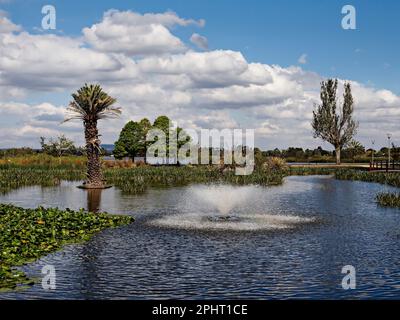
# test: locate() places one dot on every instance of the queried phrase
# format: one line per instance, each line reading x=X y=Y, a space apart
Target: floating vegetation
x=28 y=234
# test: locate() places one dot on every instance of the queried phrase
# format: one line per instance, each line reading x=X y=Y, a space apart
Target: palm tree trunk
x=94 y=174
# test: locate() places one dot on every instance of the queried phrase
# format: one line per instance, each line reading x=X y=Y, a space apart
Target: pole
x=372 y=155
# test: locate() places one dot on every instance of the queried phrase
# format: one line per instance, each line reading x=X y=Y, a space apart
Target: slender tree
x=91 y=104
x=330 y=124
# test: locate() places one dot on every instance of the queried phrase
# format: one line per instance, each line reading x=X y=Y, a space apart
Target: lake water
x=283 y=242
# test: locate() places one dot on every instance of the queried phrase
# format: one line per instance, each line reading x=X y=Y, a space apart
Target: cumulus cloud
x=200 y=41
x=138 y=60
x=6 y=26
x=134 y=34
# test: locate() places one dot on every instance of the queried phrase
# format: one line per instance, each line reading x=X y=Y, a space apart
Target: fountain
x=225 y=207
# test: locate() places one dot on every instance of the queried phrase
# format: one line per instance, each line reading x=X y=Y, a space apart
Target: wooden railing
x=384 y=165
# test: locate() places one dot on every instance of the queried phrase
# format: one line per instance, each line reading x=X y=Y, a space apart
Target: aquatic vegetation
x=142 y=177
x=388 y=199
x=391 y=178
x=135 y=180
x=310 y=171
x=17 y=177
x=28 y=234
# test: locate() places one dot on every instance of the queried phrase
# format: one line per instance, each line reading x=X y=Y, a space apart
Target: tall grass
x=44 y=161
x=49 y=171
x=388 y=199
x=391 y=178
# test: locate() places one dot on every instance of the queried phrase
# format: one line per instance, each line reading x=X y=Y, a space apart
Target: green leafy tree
x=91 y=104
x=130 y=141
x=330 y=124
x=119 y=150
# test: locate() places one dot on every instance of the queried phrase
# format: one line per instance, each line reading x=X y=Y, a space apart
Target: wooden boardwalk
x=385 y=165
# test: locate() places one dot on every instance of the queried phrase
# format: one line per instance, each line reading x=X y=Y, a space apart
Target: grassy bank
x=310 y=171
x=28 y=234
x=391 y=178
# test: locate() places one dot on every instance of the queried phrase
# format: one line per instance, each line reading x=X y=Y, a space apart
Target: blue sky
x=274 y=32
x=249 y=76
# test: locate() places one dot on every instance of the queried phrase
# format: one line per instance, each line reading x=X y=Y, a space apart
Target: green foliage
x=28 y=234
x=90 y=103
x=334 y=126
x=131 y=141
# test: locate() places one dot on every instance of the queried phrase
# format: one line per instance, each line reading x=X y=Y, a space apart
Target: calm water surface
x=161 y=257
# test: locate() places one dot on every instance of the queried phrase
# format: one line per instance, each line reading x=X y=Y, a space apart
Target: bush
x=274 y=164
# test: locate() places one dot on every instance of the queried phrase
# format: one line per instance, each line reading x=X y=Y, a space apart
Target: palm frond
x=91 y=103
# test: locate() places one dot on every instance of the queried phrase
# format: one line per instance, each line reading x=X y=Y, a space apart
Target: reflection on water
x=94 y=200
x=154 y=258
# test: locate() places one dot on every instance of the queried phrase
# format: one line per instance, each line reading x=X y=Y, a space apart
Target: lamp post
x=372 y=151
x=389 y=136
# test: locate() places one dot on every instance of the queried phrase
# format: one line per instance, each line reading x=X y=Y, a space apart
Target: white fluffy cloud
x=152 y=72
x=6 y=26
x=135 y=34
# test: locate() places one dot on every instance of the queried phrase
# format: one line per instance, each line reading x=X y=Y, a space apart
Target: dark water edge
x=148 y=261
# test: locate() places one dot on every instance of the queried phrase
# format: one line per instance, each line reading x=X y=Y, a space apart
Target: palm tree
x=90 y=104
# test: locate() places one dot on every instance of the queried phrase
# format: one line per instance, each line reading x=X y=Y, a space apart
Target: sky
x=206 y=64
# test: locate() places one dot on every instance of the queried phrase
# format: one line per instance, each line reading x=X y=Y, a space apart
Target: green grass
x=28 y=234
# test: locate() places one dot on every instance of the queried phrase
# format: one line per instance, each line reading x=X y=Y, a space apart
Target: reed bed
x=391 y=178
x=133 y=180
x=311 y=171
x=138 y=179
x=17 y=177
x=388 y=199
